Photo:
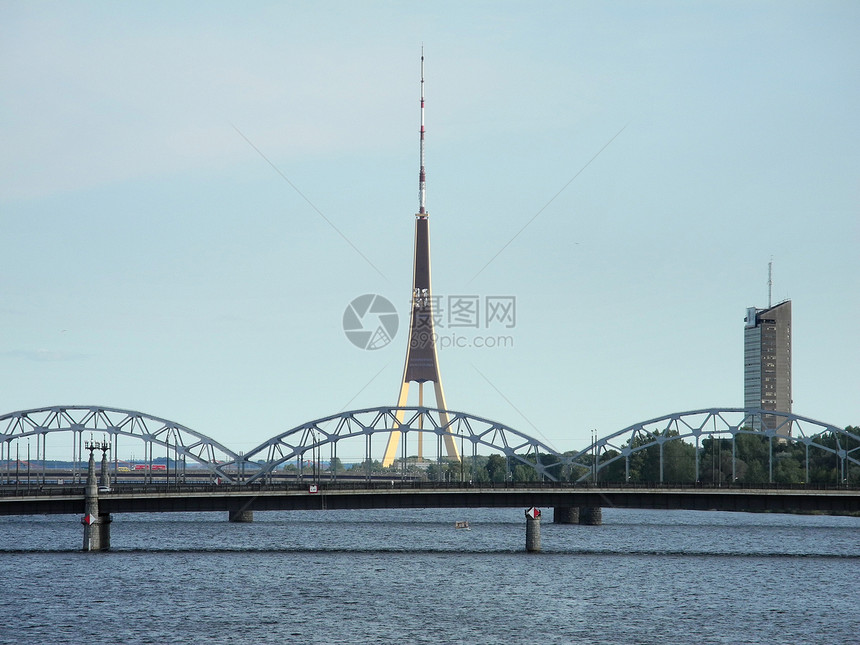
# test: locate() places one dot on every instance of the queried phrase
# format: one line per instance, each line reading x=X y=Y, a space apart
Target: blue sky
x=154 y=259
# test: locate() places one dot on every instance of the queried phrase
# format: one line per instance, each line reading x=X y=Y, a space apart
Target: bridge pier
x=96 y=532
x=96 y=525
x=102 y=527
x=591 y=515
x=565 y=515
x=586 y=515
x=241 y=516
x=533 y=530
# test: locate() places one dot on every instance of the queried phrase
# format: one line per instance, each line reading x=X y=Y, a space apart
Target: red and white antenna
x=421 y=178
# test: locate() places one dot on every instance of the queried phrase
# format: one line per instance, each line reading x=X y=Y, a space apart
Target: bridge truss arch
x=328 y=432
x=718 y=423
x=360 y=426
x=179 y=443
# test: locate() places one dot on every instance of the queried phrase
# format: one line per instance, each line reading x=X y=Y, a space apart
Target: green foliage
x=715 y=461
x=336 y=466
x=496 y=468
x=373 y=466
x=479 y=475
x=448 y=470
x=523 y=473
x=752 y=451
x=752 y=462
x=756 y=473
x=575 y=473
x=787 y=469
x=679 y=461
x=612 y=472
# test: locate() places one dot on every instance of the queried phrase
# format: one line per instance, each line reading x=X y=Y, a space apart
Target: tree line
x=757 y=460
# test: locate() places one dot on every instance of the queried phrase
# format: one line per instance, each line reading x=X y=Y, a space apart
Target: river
x=408 y=576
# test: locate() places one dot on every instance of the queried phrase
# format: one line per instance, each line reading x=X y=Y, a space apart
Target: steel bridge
x=353 y=433
x=236 y=499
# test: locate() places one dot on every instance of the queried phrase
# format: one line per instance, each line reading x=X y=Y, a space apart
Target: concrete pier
x=103 y=529
x=565 y=515
x=241 y=516
x=96 y=525
x=591 y=515
x=533 y=530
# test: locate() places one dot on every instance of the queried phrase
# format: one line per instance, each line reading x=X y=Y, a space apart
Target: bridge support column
x=96 y=532
x=241 y=516
x=591 y=515
x=96 y=525
x=565 y=515
x=533 y=530
x=103 y=528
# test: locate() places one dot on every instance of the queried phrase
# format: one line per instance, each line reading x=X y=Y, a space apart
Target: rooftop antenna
x=769 y=281
x=421 y=178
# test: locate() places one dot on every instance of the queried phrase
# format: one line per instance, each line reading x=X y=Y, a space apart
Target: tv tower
x=422 y=362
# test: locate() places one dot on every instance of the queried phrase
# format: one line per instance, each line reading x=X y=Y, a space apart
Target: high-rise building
x=767 y=360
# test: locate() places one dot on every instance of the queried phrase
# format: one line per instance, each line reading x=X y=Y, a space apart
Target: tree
x=614 y=472
x=523 y=473
x=370 y=465
x=715 y=461
x=679 y=462
x=551 y=465
x=497 y=468
x=447 y=471
x=479 y=475
x=644 y=462
x=752 y=450
x=786 y=469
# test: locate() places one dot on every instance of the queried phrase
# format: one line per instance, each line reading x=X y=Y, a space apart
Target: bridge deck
x=158 y=499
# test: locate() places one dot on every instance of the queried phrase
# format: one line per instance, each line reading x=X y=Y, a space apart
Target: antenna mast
x=421 y=179
x=769 y=282
x=422 y=359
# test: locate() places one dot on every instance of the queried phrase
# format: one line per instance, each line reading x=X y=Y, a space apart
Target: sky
x=192 y=194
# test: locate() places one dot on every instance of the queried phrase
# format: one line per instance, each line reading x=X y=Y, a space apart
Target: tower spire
x=422 y=206
x=769 y=282
x=422 y=361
